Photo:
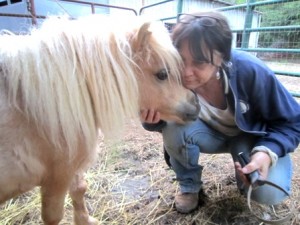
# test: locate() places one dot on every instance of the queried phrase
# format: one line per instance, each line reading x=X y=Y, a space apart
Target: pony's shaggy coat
x=66 y=80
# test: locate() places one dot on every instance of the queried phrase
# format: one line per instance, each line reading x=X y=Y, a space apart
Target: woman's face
x=197 y=74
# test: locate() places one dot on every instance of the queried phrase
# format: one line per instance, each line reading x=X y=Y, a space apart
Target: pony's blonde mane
x=71 y=78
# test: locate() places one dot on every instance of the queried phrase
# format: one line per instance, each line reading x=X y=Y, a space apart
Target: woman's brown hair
x=205 y=32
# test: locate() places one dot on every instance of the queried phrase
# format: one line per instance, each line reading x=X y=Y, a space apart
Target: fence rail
x=283 y=54
x=251 y=7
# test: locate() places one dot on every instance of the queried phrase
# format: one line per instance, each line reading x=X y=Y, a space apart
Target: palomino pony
x=63 y=83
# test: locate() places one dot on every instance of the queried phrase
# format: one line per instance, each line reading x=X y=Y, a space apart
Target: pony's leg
x=53 y=198
x=77 y=190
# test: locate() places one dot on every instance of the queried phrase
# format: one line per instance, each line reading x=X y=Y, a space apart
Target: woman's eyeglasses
x=204 y=20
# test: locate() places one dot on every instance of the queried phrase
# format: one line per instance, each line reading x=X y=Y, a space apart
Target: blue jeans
x=184 y=143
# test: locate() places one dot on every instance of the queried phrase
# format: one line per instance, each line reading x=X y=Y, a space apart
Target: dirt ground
x=131 y=184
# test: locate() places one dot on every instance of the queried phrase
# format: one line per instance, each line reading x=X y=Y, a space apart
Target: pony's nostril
x=191 y=117
x=193 y=113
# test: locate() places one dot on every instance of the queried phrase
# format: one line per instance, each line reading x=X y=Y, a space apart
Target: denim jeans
x=184 y=143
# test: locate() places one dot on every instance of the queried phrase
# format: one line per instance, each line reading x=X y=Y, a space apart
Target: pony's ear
x=142 y=37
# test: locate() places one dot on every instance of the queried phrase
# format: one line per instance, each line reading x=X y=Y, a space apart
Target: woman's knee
x=174 y=134
x=176 y=144
x=268 y=195
x=193 y=135
x=281 y=175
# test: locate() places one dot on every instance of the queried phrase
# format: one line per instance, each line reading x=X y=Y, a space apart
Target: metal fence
x=270 y=29
x=278 y=43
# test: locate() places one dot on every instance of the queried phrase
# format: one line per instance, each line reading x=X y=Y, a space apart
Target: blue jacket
x=262 y=105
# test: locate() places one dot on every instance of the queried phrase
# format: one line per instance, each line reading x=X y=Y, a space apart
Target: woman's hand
x=260 y=161
x=149 y=116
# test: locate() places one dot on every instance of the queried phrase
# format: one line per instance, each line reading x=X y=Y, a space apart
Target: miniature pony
x=65 y=81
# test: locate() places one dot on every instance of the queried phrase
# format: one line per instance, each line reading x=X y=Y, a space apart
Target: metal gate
x=270 y=29
x=278 y=37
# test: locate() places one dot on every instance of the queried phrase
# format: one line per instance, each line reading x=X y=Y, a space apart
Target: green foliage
x=281 y=14
x=240 y=2
x=236 y=2
x=278 y=14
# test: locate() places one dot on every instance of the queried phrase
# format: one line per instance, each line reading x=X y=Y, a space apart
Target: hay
x=131 y=184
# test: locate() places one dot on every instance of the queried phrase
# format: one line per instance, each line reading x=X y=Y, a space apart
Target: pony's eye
x=162 y=75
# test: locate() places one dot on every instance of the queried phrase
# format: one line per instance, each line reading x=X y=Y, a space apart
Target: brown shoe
x=186 y=202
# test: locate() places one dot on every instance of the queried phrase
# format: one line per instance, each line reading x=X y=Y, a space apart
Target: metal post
x=248 y=24
x=179 y=6
x=31 y=9
x=93 y=8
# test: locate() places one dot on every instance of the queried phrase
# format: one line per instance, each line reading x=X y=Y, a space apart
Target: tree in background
x=283 y=14
x=279 y=14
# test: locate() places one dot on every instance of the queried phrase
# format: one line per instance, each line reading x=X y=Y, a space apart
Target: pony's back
x=70 y=76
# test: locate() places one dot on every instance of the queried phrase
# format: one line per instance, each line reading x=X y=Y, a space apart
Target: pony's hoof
x=92 y=221
x=86 y=221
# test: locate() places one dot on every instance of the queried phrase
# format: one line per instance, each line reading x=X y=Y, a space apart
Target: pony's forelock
x=163 y=50
x=171 y=58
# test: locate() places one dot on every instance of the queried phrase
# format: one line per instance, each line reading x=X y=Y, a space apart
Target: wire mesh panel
x=271 y=31
x=281 y=41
